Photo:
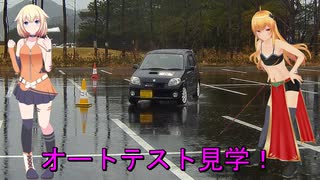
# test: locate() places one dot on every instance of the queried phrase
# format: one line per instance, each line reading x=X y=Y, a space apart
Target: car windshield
x=163 y=62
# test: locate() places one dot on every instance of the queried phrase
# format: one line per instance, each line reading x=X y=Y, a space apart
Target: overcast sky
x=81 y=4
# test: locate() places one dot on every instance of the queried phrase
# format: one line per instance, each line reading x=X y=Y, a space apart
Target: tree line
x=222 y=25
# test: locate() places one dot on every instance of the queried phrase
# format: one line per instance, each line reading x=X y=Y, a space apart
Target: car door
x=190 y=73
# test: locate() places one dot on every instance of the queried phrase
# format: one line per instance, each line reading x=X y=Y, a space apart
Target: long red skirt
x=281 y=141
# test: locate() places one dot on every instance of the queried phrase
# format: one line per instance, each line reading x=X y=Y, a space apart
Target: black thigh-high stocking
x=264 y=132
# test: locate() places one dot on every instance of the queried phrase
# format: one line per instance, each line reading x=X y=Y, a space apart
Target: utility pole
x=95 y=29
x=5 y=25
x=123 y=52
x=41 y=4
x=74 y=28
x=64 y=30
x=107 y=30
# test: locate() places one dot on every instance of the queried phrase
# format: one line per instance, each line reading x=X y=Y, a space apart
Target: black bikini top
x=272 y=59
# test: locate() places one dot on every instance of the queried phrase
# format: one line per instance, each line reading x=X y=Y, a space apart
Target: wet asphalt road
x=114 y=124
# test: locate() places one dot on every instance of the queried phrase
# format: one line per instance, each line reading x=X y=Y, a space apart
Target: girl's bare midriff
x=278 y=72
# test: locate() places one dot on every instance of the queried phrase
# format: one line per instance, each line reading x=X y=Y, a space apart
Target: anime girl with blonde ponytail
x=32 y=61
x=278 y=136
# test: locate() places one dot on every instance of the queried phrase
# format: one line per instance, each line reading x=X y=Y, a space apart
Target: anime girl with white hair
x=32 y=60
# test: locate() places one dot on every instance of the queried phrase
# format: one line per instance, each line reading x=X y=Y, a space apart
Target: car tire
x=184 y=96
x=196 y=95
x=133 y=101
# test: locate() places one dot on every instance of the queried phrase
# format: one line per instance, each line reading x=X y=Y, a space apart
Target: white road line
x=230 y=70
x=1 y=121
x=243 y=123
x=311 y=82
x=313 y=70
x=127 y=80
x=13 y=83
x=111 y=86
x=106 y=72
x=100 y=155
x=78 y=87
x=116 y=97
x=236 y=92
x=173 y=168
x=244 y=80
x=315 y=148
x=234 y=85
x=120 y=154
x=62 y=72
x=311 y=92
x=100 y=86
x=113 y=155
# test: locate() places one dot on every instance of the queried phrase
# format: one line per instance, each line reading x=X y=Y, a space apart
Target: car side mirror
x=136 y=66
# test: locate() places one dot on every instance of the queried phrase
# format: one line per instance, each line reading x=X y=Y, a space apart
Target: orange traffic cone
x=94 y=85
x=95 y=72
x=84 y=118
x=84 y=105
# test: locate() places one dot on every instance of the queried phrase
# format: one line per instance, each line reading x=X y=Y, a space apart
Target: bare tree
x=123 y=53
x=107 y=28
x=239 y=24
x=74 y=27
x=316 y=29
x=186 y=23
x=230 y=44
x=64 y=30
x=314 y=37
x=95 y=28
x=256 y=4
x=151 y=24
x=293 y=7
x=5 y=25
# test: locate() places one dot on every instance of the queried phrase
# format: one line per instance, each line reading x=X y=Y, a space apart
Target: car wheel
x=197 y=93
x=184 y=96
x=133 y=101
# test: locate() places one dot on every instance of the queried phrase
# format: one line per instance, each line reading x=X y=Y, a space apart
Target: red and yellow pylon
x=84 y=100
x=95 y=75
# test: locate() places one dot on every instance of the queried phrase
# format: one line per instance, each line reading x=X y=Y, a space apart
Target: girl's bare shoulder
x=40 y=41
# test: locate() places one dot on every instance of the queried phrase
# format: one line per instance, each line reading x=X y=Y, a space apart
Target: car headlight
x=174 y=81
x=135 y=80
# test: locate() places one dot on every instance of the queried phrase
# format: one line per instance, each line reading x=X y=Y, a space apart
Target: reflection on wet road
x=114 y=124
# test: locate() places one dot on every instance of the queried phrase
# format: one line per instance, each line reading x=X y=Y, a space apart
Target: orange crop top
x=31 y=65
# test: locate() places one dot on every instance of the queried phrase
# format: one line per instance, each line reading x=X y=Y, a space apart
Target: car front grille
x=153 y=85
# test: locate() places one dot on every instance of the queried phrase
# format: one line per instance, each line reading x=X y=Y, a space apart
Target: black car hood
x=158 y=74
